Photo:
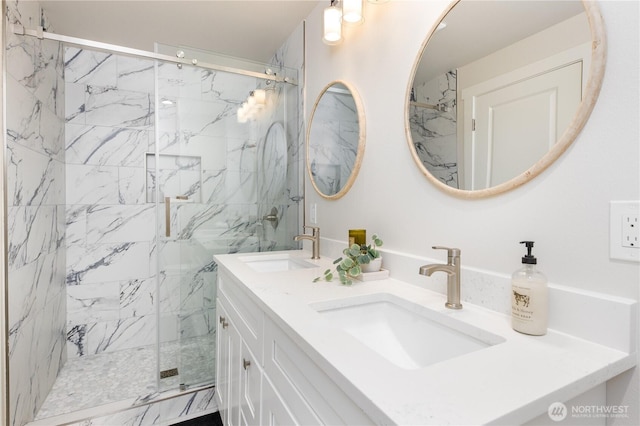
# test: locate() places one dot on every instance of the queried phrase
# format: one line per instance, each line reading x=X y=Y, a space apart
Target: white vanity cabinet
x=239 y=360
x=263 y=377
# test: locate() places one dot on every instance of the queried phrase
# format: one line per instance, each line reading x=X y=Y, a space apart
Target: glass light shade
x=332 y=26
x=260 y=96
x=352 y=11
x=243 y=113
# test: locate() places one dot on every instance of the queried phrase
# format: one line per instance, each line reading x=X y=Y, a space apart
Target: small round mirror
x=500 y=91
x=335 y=140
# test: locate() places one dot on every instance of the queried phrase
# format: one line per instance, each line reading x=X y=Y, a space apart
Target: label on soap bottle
x=529 y=308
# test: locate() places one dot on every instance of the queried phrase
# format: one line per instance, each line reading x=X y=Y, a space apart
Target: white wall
x=565 y=209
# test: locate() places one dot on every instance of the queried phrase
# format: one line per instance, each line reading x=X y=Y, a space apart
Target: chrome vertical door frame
x=4 y=313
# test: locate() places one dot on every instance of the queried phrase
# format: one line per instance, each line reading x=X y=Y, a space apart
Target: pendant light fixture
x=352 y=11
x=332 y=24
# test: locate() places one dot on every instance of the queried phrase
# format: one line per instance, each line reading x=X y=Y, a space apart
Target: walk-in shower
x=433 y=125
x=125 y=173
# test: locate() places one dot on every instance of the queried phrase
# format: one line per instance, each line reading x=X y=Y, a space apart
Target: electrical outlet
x=630 y=231
x=624 y=230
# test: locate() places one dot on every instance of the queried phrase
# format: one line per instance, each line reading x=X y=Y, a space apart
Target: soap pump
x=529 y=297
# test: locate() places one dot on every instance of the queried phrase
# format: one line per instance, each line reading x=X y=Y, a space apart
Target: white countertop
x=508 y=383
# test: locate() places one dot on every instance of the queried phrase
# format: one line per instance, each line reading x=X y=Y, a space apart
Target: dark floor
x=208 y=420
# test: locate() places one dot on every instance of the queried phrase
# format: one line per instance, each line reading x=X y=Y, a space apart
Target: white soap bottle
x=529 y=297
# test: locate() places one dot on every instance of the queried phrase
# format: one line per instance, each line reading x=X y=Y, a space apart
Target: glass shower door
x=207 y=178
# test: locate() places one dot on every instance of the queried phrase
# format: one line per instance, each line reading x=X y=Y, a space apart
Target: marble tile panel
x=174 y=82
x=137 y=297
x=188 y=404
x=213 y=186
x=106 y=146
x=212 y=150
x=241 y=187
x=119 y=108
x=92 y=184
x=21 y=365
x=197 y=323
x=195 y=216
x=131 y=185
x=168 y=142
x=241 y=154
x=20 y=59
x=38 y=284
x=126 y=333
x=167 y=115
x=75 y=98
x=145 y=415
x=136 y=74
x=33 y=178
x=120 y=223
x=88 y=264
x=33 y=232
x=76 y=224
x=89 y=303
x=207 y=118
x=31 y=124
x=90 y=67
x=48 y=79
x=434 y=132
x=227 y=87
x=169 y=333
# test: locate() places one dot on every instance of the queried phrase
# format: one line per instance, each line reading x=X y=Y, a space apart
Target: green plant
x=348 y=265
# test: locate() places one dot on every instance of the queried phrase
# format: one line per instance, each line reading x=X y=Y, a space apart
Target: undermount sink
x=275 y=262
x=409 y=335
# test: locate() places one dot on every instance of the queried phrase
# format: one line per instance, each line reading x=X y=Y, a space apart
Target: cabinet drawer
x=247 y=317
x=300 y=381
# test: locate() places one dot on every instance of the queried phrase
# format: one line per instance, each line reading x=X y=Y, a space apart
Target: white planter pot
x=374 y=266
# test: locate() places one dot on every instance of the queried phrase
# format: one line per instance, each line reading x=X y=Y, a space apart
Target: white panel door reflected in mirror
x=501 y=89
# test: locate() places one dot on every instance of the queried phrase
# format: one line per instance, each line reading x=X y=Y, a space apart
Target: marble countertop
x=507 y=383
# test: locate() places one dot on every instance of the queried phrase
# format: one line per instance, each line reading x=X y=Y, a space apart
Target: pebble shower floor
x=109 y=377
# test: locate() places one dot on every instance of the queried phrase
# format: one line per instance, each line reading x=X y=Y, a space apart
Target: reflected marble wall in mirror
x=500 y=91
x=335 y=140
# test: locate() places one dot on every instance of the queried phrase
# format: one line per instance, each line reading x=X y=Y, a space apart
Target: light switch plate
x=624 y=230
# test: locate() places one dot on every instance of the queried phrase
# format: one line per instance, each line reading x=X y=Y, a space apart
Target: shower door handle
x=246 y=363
x=167 y=216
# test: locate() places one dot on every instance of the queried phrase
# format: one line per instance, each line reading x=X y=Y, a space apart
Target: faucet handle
x=451 y=252
x=314 y=229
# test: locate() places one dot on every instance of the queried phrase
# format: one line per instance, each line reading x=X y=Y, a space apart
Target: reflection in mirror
x=335 y=141
x=500 y=91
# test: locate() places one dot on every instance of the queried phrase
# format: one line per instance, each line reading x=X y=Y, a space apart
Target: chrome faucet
x=315 y=239
x=452 y=269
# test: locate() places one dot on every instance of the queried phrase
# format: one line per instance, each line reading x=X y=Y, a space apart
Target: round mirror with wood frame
x=484 y=115
x=335 y=140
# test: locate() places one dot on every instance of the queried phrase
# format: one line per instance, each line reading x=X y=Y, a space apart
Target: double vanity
x=294 y=351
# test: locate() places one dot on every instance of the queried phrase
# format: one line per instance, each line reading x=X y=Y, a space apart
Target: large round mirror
x=500 y=91
x=335 y=140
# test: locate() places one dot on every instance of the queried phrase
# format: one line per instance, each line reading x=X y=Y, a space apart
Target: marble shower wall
x=204 y=154
x=334 y=140
x=110 y=107
x=434 y=132
x=35 y=200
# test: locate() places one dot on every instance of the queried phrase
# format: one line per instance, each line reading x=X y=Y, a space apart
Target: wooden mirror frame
x=591 y=92
x=361 y=140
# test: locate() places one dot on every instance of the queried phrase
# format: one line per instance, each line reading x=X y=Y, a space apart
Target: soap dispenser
x=529 y=297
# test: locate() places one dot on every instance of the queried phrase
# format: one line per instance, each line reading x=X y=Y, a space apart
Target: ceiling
x=477 y=28
x=248 y=29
